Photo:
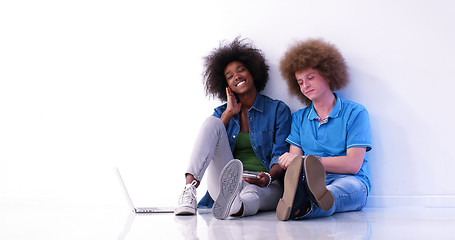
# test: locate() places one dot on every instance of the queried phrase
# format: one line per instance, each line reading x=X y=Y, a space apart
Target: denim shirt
x=269 y=125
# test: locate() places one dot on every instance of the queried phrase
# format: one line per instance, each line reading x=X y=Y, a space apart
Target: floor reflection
x=187 y=226
x=128 y=223
x=352 y=225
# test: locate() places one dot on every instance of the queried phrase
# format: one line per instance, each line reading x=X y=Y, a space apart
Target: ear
x=328 y=81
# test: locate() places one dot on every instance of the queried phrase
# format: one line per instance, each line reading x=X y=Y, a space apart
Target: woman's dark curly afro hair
x=316 y=54
x=238 y=50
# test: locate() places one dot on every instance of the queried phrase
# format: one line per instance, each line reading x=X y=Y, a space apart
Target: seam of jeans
x=204 y=166
x=354 y=193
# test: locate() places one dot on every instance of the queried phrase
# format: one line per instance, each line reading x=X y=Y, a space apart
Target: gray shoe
x=230 y=186
x=187 y=202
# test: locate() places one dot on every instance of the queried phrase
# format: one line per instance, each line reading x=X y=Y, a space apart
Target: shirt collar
x=333 y=114
x=258 y=104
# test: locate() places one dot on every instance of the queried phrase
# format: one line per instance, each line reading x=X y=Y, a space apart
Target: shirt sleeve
x=359 y=134
x=219 y=111
x=283 y=124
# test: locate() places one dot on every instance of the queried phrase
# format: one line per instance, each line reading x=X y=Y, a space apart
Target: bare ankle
x=239 y=213
x=190 y=178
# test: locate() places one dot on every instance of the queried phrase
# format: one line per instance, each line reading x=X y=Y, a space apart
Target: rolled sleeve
x=282 y=128
x=359 y=134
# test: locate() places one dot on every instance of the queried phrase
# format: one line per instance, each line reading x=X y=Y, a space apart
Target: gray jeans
x=211 y=153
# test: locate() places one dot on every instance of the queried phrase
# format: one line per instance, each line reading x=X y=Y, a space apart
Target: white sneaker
x=230 y=187
x=187 y=202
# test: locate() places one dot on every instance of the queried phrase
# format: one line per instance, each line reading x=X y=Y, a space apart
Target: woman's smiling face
x=238 y=77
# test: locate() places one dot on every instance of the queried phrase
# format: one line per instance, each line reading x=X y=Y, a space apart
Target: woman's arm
x=262 y=179
x=282 y=128
x=279 y=145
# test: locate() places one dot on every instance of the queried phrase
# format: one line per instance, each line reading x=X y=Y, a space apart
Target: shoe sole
x=185 y=211
x=230 y=180
x=315 y=176
x=291 y=181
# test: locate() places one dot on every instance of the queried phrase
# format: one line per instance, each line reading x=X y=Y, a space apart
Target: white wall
x=89 y=85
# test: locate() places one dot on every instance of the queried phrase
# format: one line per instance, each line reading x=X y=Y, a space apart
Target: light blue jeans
x=211 y=153
x=349 y=192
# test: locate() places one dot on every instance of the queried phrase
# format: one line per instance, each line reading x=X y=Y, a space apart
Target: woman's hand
x=232 y=105
x=285 y=160
x=261 y=180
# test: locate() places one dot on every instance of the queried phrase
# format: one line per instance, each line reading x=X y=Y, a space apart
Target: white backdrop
x=89 y=85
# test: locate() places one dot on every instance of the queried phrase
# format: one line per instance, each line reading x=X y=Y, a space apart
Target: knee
x=249 y=192
x=213 y=122
x=348 y=186
x=249 y=188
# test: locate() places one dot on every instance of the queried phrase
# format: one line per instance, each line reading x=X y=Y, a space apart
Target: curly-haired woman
x=327 y=163
x=249 y=127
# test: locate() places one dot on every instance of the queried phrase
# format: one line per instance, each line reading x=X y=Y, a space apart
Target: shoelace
x=188 y=194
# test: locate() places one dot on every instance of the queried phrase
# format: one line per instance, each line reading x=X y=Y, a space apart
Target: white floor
x=116 y=222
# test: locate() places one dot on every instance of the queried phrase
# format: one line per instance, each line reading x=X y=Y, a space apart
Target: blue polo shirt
x=347 y=126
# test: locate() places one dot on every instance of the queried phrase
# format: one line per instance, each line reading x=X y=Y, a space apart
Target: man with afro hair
x=327 y=163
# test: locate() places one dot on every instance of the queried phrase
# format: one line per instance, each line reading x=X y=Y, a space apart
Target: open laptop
x=142 y=209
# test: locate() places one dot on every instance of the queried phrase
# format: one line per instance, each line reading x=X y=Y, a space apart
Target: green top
x=244 y=152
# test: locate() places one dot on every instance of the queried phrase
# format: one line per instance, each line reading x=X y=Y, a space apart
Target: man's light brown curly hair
x=316 y=54
x=238 y=50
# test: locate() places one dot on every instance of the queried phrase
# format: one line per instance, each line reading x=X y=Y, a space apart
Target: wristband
x=270 y=178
